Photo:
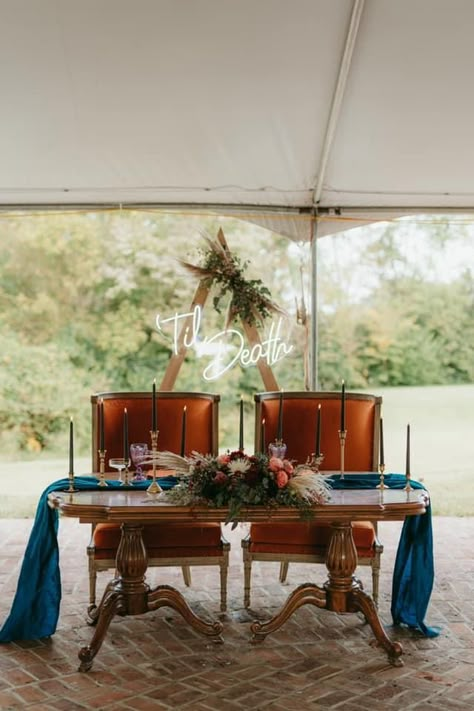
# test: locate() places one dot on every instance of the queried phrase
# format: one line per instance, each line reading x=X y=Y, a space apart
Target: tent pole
x=314 y=308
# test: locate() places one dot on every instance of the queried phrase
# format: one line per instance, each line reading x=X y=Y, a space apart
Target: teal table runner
x=35 y=610
x=413 y=574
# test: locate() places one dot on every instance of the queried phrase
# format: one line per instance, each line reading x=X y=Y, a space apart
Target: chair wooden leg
x=224 y=567
x=247 y=577
x=92 y=572
x=92 y=584
x=186 y=575
x=284 y=565
x=375 y=579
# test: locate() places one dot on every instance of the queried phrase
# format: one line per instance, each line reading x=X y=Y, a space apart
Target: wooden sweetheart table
x=129 y=594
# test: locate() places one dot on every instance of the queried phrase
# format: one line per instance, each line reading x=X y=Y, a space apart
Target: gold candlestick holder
x=102 y=453
x=342 y=441
x=71 y=488
x=408 y=486
x=314 y=461
x=154 y=487
x=126 y=474
x=382 y=484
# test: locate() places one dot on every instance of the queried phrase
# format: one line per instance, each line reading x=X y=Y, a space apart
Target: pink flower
x=220 y=478
x=275 y=464
x=288 y=466
x=281 y=479
x=223 y=459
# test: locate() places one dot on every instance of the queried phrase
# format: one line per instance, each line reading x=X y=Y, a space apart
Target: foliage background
x=79 y=294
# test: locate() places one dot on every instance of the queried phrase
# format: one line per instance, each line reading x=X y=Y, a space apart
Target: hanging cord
x=302 y=320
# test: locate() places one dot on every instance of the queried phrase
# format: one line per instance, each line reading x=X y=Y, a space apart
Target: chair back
x=201 y=422
x=299 y=423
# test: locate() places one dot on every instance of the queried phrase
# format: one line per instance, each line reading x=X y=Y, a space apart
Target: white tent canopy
x=339 y=107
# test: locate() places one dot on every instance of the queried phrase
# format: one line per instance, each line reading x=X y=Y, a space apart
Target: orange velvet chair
x=308 y=542
x=167 y=544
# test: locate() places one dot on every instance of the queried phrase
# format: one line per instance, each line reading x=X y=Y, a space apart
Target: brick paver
x=318 y=660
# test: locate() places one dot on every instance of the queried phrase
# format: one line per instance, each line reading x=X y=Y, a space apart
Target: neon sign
x=226 y=348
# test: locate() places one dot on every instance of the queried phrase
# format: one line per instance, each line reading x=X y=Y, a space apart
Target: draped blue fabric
x=413 y=575
x=35 y=609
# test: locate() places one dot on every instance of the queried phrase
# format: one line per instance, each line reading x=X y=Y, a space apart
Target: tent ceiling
x=343 y=105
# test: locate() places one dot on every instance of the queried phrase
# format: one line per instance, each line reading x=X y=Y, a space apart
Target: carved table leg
x=108 y=608
x=131 y=568
x=345 y=592
x=306 y=594
x=341 y=562
x=125 y=595
x=165 y=595
x=341 y=593
x=363 y=602
x=93 y=611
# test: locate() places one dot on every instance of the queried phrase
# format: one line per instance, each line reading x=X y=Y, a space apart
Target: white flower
x=239 y=466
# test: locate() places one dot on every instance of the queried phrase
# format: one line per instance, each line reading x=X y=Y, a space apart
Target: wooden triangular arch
x=250 y=330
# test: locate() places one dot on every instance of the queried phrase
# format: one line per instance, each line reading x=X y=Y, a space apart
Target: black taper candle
x=101 y=425
x=262 y=436
x=280 y=417
x=71 y=446
x=343 y=407
x=153 y=407
x=125 y=435
x=318 y=432
x=183 y=432
x=241 y=424
x=407 y=466
x=381 y=452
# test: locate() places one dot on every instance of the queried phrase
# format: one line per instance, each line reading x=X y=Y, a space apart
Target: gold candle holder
x=382 y=484
x=126 y=474
x=342 y=441
x=408 y=486
x=102 y=453
x=314 y=460
x=71 y=488
x=154 y=487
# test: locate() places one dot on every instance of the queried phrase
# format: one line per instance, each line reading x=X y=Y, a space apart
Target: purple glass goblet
x=138 y=453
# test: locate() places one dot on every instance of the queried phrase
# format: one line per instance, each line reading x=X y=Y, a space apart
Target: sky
x=343 y=254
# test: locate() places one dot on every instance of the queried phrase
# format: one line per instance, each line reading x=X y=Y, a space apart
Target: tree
x=79 y=295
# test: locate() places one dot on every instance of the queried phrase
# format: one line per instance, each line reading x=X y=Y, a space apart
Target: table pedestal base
x=128 y=594
x=341 y=593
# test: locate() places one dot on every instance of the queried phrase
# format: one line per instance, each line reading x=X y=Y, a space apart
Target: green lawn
x=442 y=451
x=442 y=441
x=21 y=483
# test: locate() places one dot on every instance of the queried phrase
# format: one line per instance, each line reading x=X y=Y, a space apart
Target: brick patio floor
x=318 y=660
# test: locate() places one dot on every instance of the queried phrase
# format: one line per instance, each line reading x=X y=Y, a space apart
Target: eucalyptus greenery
x=247 y=295
x=250 y=299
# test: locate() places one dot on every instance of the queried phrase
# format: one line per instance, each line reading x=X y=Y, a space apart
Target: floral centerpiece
x=238 y=480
